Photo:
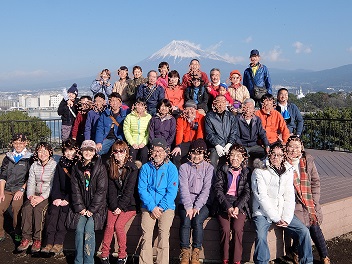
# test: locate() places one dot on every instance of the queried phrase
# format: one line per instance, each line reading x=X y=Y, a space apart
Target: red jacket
x=184 y=132
x=79 y=125
x=187 y=79
x=274 y=125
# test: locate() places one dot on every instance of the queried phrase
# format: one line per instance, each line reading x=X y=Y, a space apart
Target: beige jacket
x=240 y=94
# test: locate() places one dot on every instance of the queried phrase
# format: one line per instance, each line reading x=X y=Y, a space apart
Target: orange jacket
x=274 y=125
x=184 y=132
x=175 y=96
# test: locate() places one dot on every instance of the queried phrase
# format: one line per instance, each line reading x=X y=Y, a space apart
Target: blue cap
x=254 y=53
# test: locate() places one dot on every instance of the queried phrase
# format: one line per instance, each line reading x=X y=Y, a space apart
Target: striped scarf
x=304 y=191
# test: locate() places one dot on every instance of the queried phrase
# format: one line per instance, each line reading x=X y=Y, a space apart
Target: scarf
x=304 y=191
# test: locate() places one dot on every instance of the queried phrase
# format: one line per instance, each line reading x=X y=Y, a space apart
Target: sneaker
x=57 y=248
x=122 y=260
x=36 y=246
x=105 y=260
x=25 y=243
x=2 y=239
x=47 y=248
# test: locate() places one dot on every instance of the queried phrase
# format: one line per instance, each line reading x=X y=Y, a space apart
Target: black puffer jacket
x=93 y=199
x=243 y=190
x=123 y=194
x=66 y=116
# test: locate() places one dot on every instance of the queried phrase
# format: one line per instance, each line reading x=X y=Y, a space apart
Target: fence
x=319 y=133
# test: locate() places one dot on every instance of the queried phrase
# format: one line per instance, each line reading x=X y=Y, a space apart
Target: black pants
x=139 y=154
x=55 y=224
x=178 y=160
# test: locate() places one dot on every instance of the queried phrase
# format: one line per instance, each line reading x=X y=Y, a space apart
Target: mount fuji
x=179 y=54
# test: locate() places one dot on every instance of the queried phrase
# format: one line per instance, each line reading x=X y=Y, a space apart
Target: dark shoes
x=2 y=239
x=122 y=260
x=105 y=260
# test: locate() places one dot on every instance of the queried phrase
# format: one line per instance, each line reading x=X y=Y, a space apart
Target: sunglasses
x=116 y=151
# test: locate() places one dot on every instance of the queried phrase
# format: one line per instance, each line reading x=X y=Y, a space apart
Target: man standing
x=194 y=71
x=157 y=187
x=151 y=92
x=250 y=129
x=273 y=123
x=256 y=77
x=109 y=127
x=220 y=130
x=289 y=112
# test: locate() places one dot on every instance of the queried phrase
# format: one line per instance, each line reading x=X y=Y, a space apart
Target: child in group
x=39 y=184
x=87 y=212
x=222 y=90
x=68 y=111
x=13 y=178
x=61 y=190
x=121 y=200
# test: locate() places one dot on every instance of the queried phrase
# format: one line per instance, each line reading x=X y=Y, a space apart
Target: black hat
x=73 y=89
x=19 y=136
x=159 y=142
x=254 y=53
x=198 y=145
x=124 y=68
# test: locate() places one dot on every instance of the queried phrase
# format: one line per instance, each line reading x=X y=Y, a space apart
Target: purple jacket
x=195 y=183
x=162 y=128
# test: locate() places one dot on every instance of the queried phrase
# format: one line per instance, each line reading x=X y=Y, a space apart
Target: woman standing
x=175 y=93
x=238 y=92
x=274 y=203
x=88 y=208
x=195 y=181
x=307 y=189
x=135 y=129
x=232 y=192
x=121 y=84
x=121 y=200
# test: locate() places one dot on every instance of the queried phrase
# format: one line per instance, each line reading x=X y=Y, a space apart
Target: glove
x=227 y=148
x=220 y=150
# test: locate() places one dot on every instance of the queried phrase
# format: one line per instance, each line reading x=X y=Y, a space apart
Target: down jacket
x=221 y=187
x=273 y=195
x=93 y=200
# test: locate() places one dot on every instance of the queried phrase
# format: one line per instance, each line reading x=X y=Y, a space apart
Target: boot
x=195 y=256
x=184 y=256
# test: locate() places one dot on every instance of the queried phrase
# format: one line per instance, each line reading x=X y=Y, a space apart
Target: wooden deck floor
x=335 y=171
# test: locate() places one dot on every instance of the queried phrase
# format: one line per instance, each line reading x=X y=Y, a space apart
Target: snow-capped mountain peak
x=178 y=50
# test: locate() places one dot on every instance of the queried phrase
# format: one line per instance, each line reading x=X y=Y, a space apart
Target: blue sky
x=58 y=40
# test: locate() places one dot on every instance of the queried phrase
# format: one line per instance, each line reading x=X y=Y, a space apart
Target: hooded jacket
x=158 y=186
x=273 y=195
x=162 y=128
x=15 y=174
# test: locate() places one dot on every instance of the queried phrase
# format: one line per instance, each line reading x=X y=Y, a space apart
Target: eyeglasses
x=89 y=149
x=276 y=155
x=116 y=151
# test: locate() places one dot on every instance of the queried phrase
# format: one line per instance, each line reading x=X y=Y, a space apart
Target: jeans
x=106 y=145
x=85 y=241
x=262 y=253
x=197 y=227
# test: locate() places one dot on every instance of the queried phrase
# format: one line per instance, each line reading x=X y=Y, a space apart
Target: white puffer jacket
x=274 y=195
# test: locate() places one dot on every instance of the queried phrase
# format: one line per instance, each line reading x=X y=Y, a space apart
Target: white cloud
x=248 y=40
x=233 y=59
x=274 y=55
x=349 y=49
x=22 y=74
x=301 y=48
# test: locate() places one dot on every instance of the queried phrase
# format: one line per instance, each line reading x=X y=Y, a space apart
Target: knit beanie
x=73 y=89
x=198 y=145
x=190 y=103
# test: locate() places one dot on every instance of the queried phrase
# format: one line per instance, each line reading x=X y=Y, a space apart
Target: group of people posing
x=142 y=142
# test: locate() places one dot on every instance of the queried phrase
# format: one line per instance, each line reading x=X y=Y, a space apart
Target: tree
x=19 y=122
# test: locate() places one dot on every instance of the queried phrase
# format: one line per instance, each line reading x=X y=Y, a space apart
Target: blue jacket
x=157 y=95
x=158 y=187
x=91 y=125
x=248 y=135
x=105 y=122
x=261 y=78
x=295 y=122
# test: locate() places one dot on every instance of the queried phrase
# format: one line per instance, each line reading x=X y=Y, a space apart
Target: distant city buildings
x=42 y=101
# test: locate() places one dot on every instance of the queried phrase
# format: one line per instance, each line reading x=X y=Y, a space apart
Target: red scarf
x=304 y=191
